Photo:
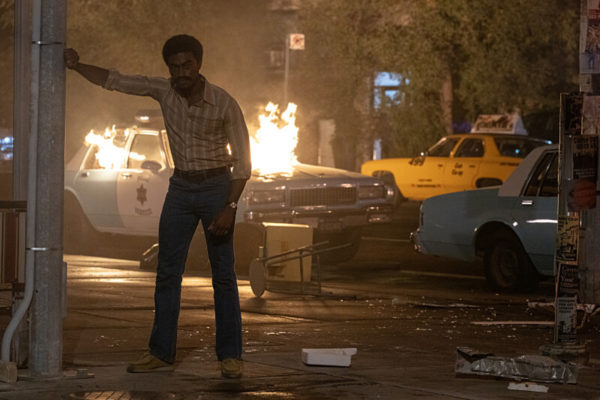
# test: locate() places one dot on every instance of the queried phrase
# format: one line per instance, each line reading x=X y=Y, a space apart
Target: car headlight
x=371 y=192
x=267 y=196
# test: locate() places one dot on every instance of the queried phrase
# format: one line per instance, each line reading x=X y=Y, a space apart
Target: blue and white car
x=123 y=194
x=512 y=227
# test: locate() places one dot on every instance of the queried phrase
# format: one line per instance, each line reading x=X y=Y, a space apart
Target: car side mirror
x=153 y=166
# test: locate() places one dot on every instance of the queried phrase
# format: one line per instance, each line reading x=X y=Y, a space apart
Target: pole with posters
x=293 y=41
x=576 y=260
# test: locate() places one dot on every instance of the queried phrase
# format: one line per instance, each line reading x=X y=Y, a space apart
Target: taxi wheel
x=507 y=265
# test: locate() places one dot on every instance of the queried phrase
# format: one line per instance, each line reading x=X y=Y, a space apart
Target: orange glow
x=274 y=143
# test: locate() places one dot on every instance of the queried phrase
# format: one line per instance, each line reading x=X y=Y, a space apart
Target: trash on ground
x=527 y=367
x=452 y=305
x=548 y=324
x=528 y=387
x=336 y=357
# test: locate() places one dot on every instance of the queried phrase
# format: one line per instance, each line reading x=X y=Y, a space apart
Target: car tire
x=79 y=236
x=349 y=237
x=507 y=265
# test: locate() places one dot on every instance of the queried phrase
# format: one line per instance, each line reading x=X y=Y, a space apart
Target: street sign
x=296 y=41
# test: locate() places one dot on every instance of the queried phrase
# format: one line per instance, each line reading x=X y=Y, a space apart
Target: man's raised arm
x=96 y=75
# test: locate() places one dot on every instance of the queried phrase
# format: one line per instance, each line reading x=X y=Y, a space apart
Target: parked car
x=119 y=188
x=512 y=226
x=484 y=157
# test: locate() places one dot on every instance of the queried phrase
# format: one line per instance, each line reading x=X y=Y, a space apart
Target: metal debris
x=522 y=368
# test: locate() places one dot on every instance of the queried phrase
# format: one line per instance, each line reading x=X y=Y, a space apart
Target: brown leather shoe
x=149 y=363
x=231 y=368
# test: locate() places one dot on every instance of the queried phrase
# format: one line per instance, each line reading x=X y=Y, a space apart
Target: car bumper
x=325 y=220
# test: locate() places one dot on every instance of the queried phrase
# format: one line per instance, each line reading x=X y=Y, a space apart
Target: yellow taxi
x=485 y=157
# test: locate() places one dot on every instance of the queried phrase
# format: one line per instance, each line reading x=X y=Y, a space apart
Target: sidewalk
x=406 y=345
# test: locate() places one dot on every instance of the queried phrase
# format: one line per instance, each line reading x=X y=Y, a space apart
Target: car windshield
x=516 y=147
x=443 y=147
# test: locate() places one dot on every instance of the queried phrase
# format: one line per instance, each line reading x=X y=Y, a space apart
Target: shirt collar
x=209 y=94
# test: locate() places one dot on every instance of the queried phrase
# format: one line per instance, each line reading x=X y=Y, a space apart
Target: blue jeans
x=185 y=205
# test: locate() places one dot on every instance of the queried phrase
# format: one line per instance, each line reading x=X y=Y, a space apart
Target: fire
x=109 y=155
x=275 y=140
x=272 y=146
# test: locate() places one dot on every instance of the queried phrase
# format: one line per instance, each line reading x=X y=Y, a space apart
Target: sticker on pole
x=296 y=41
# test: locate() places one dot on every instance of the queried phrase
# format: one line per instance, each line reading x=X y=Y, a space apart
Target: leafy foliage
x=515 y=55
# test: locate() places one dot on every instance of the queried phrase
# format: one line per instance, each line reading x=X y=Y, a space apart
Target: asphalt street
x=404 y=313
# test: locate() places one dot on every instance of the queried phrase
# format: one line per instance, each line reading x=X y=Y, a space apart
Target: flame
x=272 y=146
x=109 y=155
x=275 y=141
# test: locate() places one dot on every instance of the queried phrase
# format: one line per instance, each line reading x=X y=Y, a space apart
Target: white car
x=119 y=186
x=512 y=227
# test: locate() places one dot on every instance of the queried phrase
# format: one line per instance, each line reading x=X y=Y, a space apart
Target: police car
x=117 y=184
x=485 y=157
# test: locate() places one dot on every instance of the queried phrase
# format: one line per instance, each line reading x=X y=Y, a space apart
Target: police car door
x=143 y=184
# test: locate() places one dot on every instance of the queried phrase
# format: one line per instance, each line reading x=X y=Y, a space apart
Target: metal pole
x=45 y=357
x=577 y=147
x=22 y=97
x=286 y=71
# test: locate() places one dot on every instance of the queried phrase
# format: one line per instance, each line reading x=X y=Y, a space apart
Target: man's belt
x=200 y=175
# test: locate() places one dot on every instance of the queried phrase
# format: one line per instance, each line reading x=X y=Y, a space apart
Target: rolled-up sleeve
x=138 y=85
x=239 y=141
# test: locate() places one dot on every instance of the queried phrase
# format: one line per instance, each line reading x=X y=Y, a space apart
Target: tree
x=459 y=57
x=129 y=36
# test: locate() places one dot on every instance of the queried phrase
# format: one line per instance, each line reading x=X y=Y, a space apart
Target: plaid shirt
x=198 y=134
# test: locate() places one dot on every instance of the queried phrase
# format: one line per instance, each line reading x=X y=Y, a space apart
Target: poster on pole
x=567 y=238
x=582 y=188
x=567 y=292
x=590 y=56
x=589 y=47
x=571 y=113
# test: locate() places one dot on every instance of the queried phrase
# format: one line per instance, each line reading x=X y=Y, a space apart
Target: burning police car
x=116 y=184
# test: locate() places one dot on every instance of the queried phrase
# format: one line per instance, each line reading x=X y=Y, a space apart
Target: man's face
x=184 y=70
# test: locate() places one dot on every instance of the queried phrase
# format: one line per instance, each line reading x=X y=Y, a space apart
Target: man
x=201 y=121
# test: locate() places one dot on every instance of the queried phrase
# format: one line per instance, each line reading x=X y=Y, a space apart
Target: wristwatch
x=233 y=205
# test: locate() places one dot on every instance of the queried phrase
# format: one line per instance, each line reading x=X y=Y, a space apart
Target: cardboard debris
x=328 y=357
x=528 y=387
x=526 y=368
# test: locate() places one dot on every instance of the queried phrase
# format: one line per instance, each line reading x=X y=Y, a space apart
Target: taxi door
x=424 y=175
x=143 y=183
x=462 y=168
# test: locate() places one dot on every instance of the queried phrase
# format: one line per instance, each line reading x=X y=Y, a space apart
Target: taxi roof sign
x=499 y=123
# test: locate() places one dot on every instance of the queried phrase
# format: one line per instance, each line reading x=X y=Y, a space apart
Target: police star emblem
x=141 y=194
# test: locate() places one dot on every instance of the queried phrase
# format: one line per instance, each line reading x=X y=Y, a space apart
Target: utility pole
x=46 y=186
x=293 y=41
x=577 y=254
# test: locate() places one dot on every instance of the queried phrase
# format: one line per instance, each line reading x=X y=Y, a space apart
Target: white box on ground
x=328 y=357
x=281 y=238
